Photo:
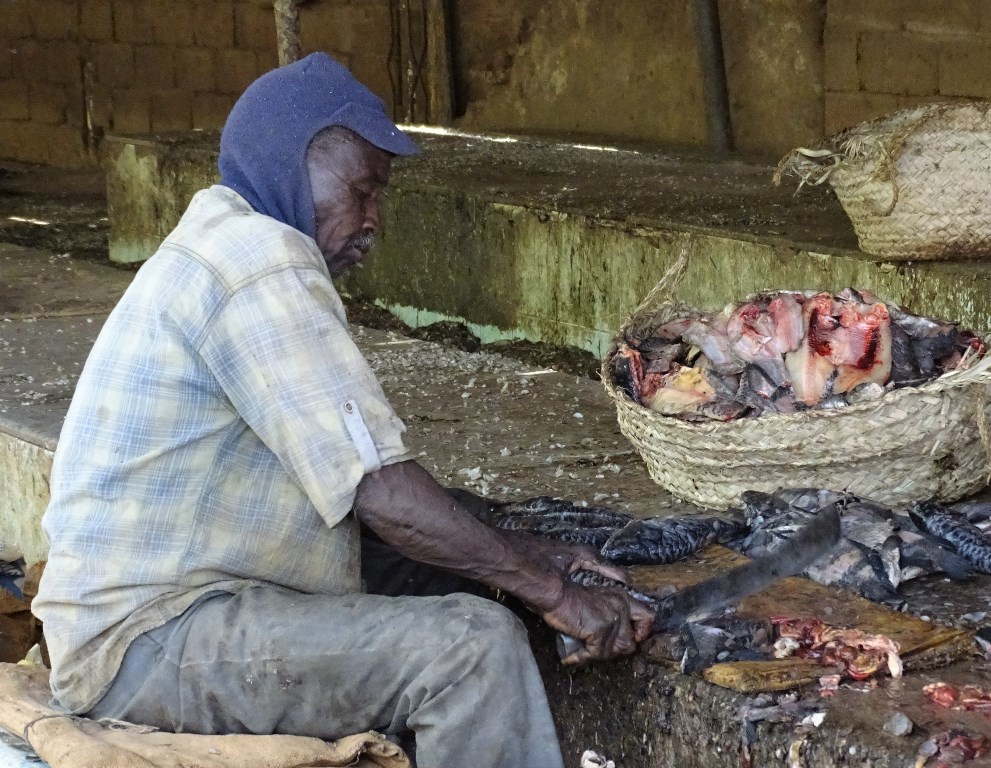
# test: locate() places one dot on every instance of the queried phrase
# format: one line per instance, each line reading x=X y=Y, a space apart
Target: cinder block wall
x=72 y=71
x=883 y=55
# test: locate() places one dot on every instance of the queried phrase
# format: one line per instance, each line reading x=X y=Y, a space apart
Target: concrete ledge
x=51 y=308
x=25 y=469
x=149 y=182
x=524 y=238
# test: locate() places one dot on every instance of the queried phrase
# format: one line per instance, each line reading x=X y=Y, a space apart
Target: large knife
x=705 y=599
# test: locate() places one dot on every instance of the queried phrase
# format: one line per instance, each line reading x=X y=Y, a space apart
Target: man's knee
x=486 y=629
x=495 y=619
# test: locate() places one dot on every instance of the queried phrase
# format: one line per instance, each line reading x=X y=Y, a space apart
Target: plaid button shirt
x=220 y=427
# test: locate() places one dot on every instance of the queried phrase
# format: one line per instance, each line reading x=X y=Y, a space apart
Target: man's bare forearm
x=406 y=507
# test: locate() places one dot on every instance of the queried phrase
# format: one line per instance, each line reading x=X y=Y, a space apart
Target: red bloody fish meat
x=861 y=346
x=809 y=367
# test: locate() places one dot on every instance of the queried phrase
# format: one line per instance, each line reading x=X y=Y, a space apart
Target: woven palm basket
x=914 y=184
x=914 y=443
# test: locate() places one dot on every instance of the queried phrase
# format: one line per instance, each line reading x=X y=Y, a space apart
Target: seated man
x=225 y=440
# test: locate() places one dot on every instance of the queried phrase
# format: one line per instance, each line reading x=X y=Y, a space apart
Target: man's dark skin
x=406 y=507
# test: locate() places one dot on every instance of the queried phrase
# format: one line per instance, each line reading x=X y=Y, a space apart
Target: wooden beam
x=438 y=83
x=287 y=31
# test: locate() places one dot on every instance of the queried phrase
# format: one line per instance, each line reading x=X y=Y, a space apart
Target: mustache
x=363 y=241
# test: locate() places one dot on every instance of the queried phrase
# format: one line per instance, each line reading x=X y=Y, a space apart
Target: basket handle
x=983 y=432
x=667 y=282
x=814 y=166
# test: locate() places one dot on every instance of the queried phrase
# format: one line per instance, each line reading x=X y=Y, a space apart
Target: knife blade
x=702 y=600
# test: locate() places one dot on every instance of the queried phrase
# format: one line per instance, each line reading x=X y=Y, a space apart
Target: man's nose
x=372 y=213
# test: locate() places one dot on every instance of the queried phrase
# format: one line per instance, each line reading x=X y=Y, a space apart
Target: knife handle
x=567 y=645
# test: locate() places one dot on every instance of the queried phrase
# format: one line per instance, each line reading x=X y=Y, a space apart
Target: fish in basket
x=798 y=388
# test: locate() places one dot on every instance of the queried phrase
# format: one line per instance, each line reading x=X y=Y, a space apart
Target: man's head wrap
x=263 y=144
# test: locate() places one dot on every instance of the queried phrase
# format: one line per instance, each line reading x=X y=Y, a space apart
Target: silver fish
x=758 y=506
x=595 y=579
x=880 y=548
x=570 y=534
x=906 y=552
x=956 y=530
x=659 y=540
x=709 y=335
x=931 y=340
x=545 y=509
x=659 y=354
x=904 y=369
x=977 y=512
x=764 y=390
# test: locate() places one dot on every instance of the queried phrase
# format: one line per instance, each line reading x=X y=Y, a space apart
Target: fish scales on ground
x=786 y=351
x=880 y=548
x=969 y=541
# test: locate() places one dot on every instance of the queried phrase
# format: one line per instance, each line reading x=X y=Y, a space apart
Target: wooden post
x=287 y=31
x=438 y=83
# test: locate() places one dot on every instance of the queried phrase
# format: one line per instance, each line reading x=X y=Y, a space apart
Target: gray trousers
x=456 y=670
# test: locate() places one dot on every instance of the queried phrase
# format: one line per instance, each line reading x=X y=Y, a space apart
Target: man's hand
x=607 y=620
x=404 y=505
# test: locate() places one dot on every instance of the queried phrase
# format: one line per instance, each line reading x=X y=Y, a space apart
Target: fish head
x=811 y=500
x=759 y=506
x=627 y=367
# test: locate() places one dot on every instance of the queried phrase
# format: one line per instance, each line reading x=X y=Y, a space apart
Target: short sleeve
x=281 y=351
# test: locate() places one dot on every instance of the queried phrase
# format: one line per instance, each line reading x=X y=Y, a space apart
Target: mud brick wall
x=72 y=71
x=883 y=55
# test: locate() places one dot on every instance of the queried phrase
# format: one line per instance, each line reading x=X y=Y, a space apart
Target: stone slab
x=149 y=183
x=25 y=469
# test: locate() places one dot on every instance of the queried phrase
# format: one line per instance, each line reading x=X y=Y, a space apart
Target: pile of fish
x=619 y=537
x=785 y=352
x=880 y=547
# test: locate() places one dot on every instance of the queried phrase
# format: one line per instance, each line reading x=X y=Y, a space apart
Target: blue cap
x=263 y=144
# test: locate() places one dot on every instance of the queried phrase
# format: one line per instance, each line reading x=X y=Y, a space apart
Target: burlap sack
x=75 y=742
